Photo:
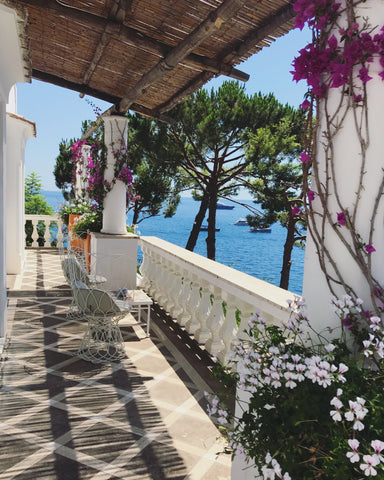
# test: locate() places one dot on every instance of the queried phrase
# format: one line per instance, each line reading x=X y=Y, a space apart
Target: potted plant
x=68 y=212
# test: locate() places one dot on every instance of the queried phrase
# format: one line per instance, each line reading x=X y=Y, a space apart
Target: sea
x=258 y=254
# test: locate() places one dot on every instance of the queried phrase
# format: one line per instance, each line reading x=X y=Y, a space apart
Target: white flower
x=368 y=466
x=353 y=457
x=290 y=377
x=358 y=426
x=336 y=416
x=377 y=445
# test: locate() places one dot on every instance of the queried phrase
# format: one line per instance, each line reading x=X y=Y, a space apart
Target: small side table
x=138 y=299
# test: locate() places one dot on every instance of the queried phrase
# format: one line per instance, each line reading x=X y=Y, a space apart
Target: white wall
x=346 y=175
x=12 y=70
x=18 y=132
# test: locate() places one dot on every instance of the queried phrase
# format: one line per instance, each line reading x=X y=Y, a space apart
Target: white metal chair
x=102 y=341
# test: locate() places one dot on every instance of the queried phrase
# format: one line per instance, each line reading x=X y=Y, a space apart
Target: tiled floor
x=64 y=418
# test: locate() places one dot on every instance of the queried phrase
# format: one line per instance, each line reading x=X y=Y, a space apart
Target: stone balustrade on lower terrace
x=211 y=301
x=46 y=231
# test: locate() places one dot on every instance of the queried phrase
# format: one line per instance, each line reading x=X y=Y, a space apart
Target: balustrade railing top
x=212 y=301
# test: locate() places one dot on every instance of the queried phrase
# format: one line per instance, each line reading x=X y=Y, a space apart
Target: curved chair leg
x=102 y=341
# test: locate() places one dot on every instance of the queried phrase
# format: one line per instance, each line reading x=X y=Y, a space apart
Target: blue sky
x=58 y=112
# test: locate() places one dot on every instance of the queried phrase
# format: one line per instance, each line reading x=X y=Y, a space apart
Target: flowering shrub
x=92 y=170
x=91 y=221
x=315 y=408
x=77 y=207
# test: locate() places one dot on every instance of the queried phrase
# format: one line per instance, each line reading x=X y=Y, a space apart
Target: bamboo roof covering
x=146 y=55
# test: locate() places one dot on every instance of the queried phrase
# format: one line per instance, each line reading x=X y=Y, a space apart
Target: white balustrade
x=44 y=234
x=212 y=301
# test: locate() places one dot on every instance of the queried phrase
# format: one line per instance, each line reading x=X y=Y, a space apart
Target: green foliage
x=77 y=207
x=88 y=222
x=63 y=169
x=154 y=163
x=261 y=221
x=35 y=202
x=212 y=133
x=277 y=178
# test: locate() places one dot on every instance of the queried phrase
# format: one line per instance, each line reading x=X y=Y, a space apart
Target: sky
x=58 y=112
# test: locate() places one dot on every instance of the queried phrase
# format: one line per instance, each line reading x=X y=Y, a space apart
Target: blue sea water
x=258 y=254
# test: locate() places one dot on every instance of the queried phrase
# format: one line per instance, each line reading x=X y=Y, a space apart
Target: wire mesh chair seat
x=102 y=341
x=75 y=270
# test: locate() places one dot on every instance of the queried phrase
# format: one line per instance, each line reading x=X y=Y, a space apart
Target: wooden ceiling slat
x=149 y=52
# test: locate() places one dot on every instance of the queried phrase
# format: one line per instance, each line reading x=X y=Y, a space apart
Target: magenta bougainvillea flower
x=295 y=210
x=310 y=195
x=304 y=157
x=369 y=248
x=341 y=220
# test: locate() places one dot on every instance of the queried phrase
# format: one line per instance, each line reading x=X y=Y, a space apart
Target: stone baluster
x=229 y=328
x=215 y=320
x=145 y=268
x=172 y=287
x=186 y=291
x=165 y=280
x=193 y=305
x=179 y=306
x=60 y=236
x=155 y=275
x=246 y=311
x=203 y=333
x=158 y=290
x=35 y=234
x=47 y=234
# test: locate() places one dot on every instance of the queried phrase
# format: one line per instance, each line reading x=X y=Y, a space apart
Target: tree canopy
x=212 y=133
x=35 y=202
x=276 y=179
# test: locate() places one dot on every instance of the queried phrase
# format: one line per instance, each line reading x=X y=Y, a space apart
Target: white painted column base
x=115 y=258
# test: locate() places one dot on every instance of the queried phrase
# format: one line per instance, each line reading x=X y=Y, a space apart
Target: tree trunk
x=194 y=235
x=288 y=246
x=211 y=237
x=136 y=213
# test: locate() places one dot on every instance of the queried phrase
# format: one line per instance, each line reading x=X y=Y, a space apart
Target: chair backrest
x=92 y=301
x=74 y=271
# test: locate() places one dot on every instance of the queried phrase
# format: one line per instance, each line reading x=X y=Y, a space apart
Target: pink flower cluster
x=329 y=62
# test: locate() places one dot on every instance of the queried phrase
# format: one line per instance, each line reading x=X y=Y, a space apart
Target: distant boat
x=223 y=206
x=260 y=230
x=242 y=222
x=204 y=228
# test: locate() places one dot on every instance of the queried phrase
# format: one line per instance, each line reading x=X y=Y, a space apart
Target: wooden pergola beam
x=116 y=18
x=113 y=28
x=270 y=25
x=86 y=90
x=209 y=26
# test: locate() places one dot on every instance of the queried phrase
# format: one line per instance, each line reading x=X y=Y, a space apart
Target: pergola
x=146 y=55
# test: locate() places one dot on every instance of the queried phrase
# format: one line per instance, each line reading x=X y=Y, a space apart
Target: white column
x=347 y=161
x=12 y=70
x=81 y=178
x=19 y=130
x=3 y=274
x=114 y=212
